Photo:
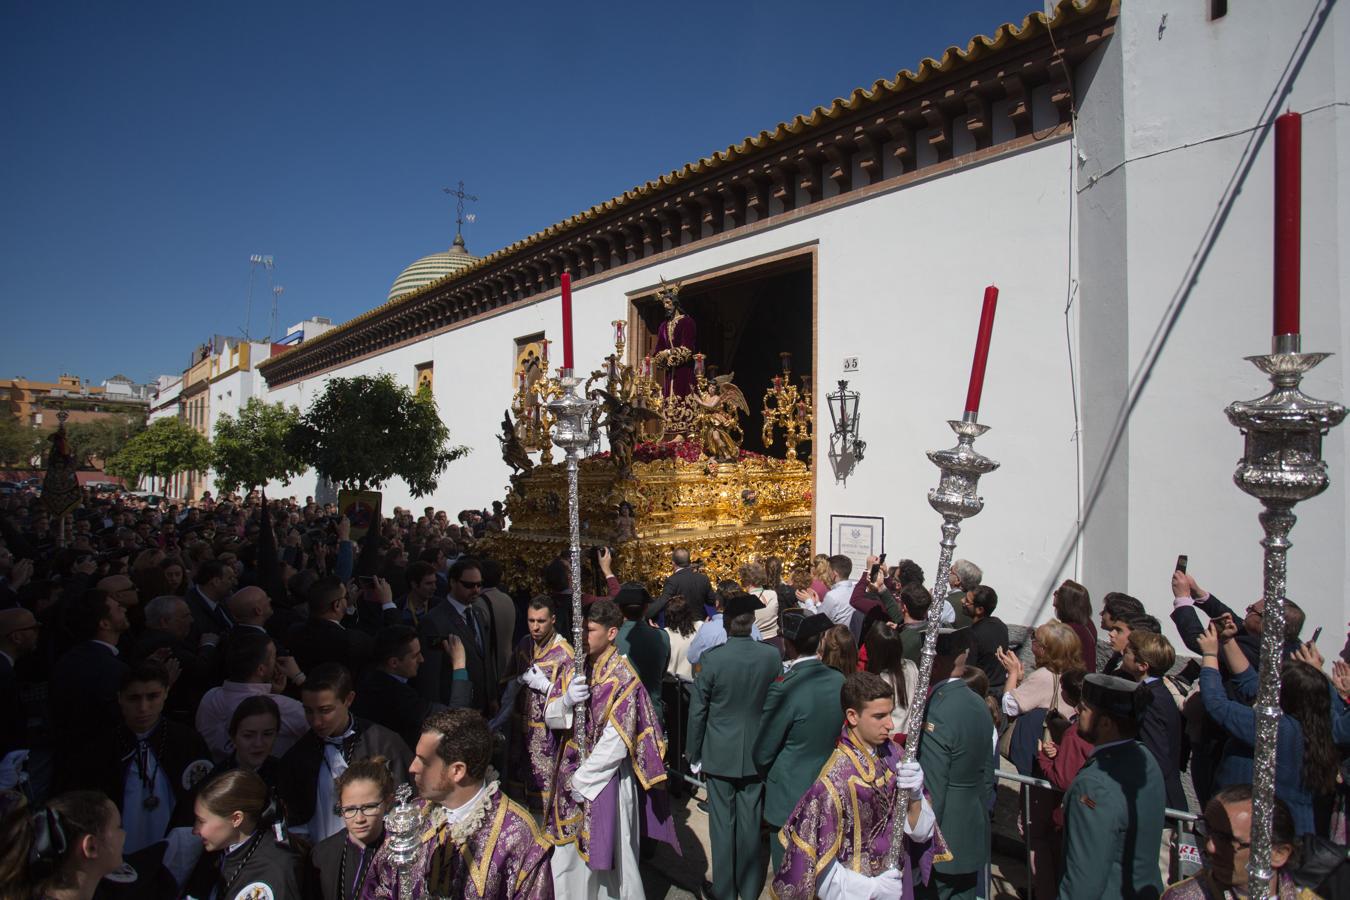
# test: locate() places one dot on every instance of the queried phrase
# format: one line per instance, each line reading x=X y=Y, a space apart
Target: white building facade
x=1110 y=199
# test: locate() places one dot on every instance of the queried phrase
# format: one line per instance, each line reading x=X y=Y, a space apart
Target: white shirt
x=836 y=605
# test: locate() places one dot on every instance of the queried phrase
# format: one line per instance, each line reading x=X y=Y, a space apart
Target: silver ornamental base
x=572 y=432
x=402 y=824
x=955 y=498
x=1281 y=465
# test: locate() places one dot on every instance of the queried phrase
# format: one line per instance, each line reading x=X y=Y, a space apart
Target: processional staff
x=955 y=499
x=1281 y=465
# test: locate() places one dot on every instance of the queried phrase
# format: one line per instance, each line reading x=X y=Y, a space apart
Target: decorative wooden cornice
x=857 y=145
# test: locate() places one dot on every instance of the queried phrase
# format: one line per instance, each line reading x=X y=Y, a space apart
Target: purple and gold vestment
x=501 y=856
x=847 y=817
x=533 y=747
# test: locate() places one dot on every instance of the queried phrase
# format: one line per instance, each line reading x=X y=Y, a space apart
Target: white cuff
x=1010 y=705
x=923 y=829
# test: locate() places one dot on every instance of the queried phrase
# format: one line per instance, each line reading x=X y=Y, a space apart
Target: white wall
x=1192 y=82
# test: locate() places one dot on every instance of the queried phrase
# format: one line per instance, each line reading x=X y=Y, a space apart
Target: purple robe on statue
x=854 y=795
x=679 y=362
x=534 y=746
x=503 y=856
x=617 y=698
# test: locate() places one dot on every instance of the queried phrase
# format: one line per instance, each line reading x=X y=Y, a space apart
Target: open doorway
x=746 y=319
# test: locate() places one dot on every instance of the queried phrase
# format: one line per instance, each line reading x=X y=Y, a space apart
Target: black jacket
x=988 y=635
x=383 y=699
x=691 y=584
x=178 y=750
x=300 y=766
x=1188 y=625
x=204 y=619
x=1161 y=732
x=261 y=860
x=318 y=641
x=435 y=679
x=83 y=698
x=202 y=669
x=338 y=869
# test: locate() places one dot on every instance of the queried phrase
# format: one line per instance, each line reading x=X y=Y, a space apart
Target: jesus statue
x=676 y=342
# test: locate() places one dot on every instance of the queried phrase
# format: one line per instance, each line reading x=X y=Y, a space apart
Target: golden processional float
x=662 y=471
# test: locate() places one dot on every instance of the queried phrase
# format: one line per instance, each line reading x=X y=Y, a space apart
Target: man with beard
x=476 y=843
x=1113 y=810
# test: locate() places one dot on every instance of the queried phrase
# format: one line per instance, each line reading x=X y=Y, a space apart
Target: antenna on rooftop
x=276 y=296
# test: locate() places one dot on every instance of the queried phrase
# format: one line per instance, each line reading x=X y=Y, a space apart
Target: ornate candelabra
x=403 y=824
x=572 y=432
x=788 y=407
x=955 y=498
x=1281 y=464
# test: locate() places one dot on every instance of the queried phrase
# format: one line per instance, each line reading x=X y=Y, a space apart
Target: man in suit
x=647 y=648
x=206 y=598
x=385 y=695
x=1113 y=810
x=1189 y=596
x=958 y=769
x=83 y=688
x=686 y=581
x=724 y=710
x=1147 y=658
x=463 y=615
x=18 y=638
x=988 y=634
x=168 y=623
x=324 y=639
x=799 y=727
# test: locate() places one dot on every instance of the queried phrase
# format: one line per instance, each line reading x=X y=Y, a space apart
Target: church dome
x=432 y=268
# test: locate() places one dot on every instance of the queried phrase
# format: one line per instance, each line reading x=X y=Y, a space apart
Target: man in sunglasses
x=464 y=614
x=1189 y=596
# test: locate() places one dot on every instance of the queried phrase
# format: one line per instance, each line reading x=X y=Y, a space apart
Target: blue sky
x=147 y=149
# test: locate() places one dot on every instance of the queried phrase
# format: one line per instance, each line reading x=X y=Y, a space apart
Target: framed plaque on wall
x=857 y=537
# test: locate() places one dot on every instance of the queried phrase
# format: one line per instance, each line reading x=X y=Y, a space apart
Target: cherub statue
x=719 y=404
x=623 y=421
x=513 y=451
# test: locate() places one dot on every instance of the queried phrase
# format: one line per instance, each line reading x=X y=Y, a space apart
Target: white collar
x=459 y=812
x=236 y=846
x=8 y=657
x=111 y=647
x=789 y=663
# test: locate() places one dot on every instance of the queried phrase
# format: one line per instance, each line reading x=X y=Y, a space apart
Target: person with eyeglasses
x=1188 y=596
x=340 y=865
x=462 y=614
x=1224 y=835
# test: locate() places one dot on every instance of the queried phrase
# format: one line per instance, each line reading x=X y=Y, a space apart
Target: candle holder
x=1281 y=465
x=955 y=498
x=403 y=824
x=788 y=407
x=572 y=432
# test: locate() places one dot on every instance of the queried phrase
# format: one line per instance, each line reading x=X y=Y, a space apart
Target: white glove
x=909 y=777
x=577 y=795
x=578 y=691
x=695 y=768
x=535 y=679
x=888 y=885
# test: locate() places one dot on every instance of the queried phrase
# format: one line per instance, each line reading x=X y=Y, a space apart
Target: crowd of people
x=220 y=699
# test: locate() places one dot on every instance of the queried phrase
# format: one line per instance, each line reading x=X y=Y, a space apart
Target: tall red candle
x=1288 y=199
x=567 y=319
x=981 y=350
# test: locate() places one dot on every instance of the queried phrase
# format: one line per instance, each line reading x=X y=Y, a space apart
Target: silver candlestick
x=403 y=825
x=572 y=432
x=1281 y=464
x=955 y=498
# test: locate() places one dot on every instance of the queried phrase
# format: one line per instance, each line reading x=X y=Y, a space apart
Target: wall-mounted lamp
x=846 y=448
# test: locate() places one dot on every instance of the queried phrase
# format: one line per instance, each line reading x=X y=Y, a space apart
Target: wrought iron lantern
x=844 y=414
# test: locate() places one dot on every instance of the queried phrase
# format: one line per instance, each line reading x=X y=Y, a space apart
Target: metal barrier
x=1185 y=823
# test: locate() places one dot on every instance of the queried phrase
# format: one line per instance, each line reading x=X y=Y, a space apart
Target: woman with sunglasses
x=340 y=864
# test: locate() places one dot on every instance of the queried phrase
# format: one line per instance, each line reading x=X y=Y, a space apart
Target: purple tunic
x=507 y=858
x=679 y=365
x=534 y=746
x=854 y=796
x=617 y=698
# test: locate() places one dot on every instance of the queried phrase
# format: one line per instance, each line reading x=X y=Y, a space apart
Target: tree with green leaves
x=169 y=446
x=256 y=447
x=19 y=443
x=361 y=432
x=100 y=439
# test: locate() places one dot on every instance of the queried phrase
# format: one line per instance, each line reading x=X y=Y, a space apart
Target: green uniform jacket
x=725 y=706
x=648 y=649
x=957 y=756
x=1113 y=821
x=800 y=727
